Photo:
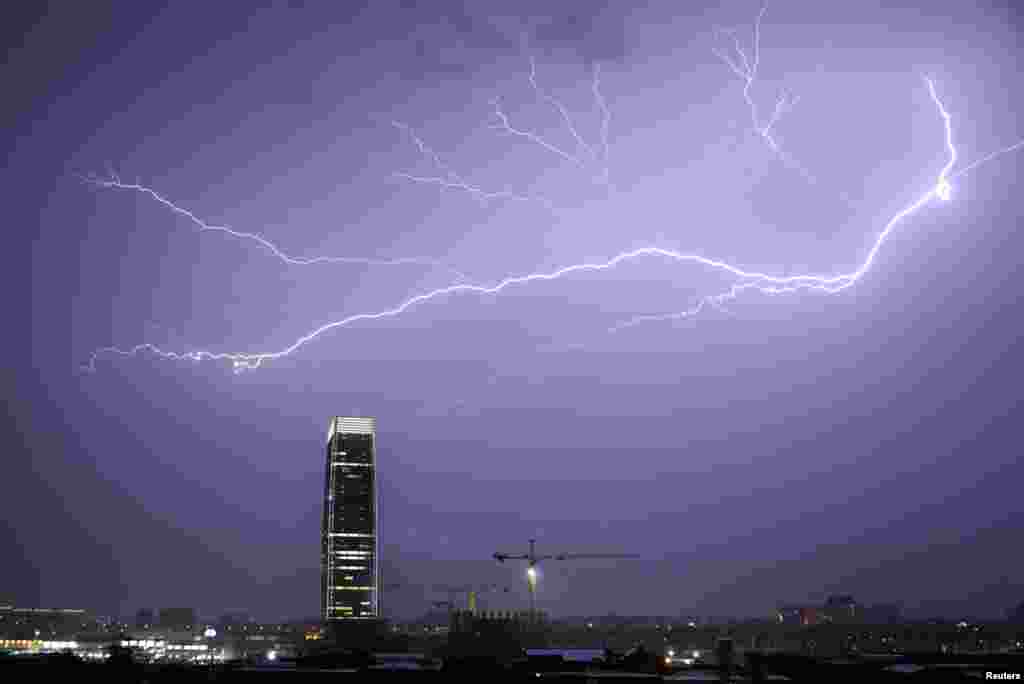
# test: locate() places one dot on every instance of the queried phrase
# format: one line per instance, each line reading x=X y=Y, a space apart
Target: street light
x=210 y=633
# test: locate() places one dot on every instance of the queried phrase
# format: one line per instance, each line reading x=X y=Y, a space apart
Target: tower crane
x=533 y=559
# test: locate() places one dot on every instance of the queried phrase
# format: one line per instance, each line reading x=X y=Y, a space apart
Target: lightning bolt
x=987 y=158
x=114 y=182
x=606 y=120
x=942 y=190
x=744 y=279
x=745 y=66
x=585 y=156
x=451 y=180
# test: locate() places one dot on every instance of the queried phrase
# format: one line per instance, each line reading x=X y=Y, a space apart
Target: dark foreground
x=758 y=668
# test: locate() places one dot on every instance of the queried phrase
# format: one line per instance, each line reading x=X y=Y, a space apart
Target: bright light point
x=671 y=653
x=944 y=191
x=696 y=654
x=271 y=655
x=532 y=572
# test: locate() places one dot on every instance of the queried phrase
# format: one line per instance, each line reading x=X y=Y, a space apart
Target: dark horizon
x=768 y=449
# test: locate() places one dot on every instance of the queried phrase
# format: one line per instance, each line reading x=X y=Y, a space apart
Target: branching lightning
x=987 y=158
x=450 y=179
x=743 y=280
x=585 y=156
x=941 y=190
x=113 y=181
x=746 y=66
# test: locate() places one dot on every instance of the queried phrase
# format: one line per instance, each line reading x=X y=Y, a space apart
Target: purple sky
x=787 y=447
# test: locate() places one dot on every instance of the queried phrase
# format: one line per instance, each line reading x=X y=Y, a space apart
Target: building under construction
x=497 y=633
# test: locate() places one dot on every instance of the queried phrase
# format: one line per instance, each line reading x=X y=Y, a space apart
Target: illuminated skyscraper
x=350 y=581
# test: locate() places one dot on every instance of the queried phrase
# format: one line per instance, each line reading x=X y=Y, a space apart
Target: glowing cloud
x=585 y=156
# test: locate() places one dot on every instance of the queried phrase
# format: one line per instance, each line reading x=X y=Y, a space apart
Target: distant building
x=234 y=620
x=497 y=633
x=144 y=618
x=42 y=623
x=789 y=614
x=841 y=610
x=350 y=581
x=811 y=615
x=177 y=618
x=882 y=613
x=801 y=615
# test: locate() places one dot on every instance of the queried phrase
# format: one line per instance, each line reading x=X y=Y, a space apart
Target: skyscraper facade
x=350 y=577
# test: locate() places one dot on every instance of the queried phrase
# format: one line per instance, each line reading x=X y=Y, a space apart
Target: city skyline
x=292 y=166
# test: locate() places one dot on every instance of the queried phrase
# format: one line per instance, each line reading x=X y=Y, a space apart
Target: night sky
x=776 y=449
